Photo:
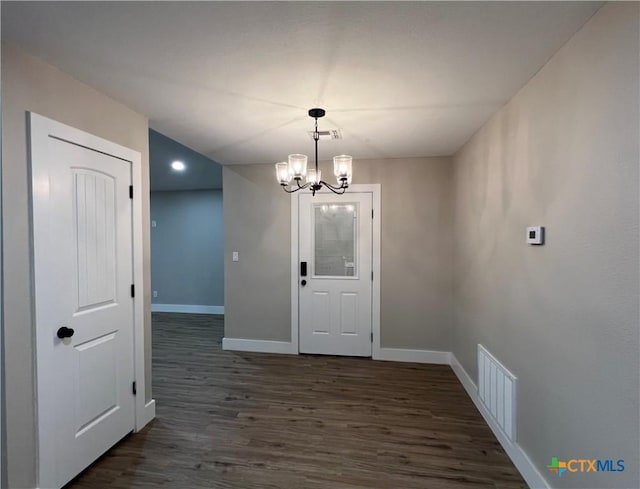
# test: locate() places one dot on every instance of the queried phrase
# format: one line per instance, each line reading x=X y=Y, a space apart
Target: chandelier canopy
x=296 y=168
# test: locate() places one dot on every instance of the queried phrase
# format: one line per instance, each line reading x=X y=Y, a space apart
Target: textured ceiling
x=234 y=80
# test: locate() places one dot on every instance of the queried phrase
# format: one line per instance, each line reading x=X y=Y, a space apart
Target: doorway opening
x=187 y=254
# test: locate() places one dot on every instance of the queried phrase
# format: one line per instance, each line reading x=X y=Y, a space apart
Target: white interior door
x=83 y=263
x=335 y=290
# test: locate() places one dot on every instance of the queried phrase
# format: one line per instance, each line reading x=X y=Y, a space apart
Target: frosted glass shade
x=313 y=176
x=282 y=173
x=342 y=167
x=297 y=165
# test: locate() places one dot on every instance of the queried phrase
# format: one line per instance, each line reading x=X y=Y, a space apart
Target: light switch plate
x=535 y=235
x=235 y=256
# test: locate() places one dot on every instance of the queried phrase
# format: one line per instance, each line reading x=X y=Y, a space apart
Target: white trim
x=39 y=130
x=295 y=259
x=149 y=411
x=377 y=267
x=464 y=378
x=523 y=463
x=376 y=191
x=260 y=346
x=187 y=308
x=416 y=356
x=138 y=302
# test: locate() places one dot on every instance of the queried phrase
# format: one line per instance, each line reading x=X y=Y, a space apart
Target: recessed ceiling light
x=178 y=166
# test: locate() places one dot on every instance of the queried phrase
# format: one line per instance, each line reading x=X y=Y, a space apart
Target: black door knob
x=303 y=283
x=65 y=332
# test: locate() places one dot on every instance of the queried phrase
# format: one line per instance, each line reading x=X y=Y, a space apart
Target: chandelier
x=296 y=168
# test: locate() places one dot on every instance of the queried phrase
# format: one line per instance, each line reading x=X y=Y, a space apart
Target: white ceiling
x=234 y=80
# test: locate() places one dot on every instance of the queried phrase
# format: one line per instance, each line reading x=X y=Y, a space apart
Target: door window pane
x=335 y=229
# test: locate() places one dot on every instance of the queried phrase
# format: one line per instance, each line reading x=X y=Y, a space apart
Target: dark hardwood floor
x=251 y=420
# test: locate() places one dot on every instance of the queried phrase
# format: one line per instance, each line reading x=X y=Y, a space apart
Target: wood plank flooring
x=251 y=420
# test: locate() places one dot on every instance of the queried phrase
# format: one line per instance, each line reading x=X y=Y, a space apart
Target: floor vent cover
x=497 y=391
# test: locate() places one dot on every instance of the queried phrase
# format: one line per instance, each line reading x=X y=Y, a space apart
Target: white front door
x=335 y=279
x=83 y=262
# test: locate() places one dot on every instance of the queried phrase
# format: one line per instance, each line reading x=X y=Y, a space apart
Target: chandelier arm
x=335 y=190
x=284 y=187
x=300 y=187
x=343 y=184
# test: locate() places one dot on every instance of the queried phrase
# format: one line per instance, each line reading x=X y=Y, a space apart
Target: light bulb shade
x=313 y=175
x=282 y=173
x=342 y=167
x=297 y=165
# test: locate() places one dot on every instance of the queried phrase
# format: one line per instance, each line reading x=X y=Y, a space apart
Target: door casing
x=40 y=129
x=375 y=190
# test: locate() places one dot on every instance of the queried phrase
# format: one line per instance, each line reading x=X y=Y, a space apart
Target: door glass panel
x=334 y=239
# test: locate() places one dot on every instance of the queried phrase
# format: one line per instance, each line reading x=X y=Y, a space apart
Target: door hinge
x=372 y=275
x=372 y=337
x=131 y=191
x=133 y=290
x=134 y=388
x=371 y=213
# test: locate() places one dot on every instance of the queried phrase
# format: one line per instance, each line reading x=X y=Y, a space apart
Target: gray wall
x=416 y=251
x=563 y=317
x=187 y=247
x=257 y=225
x=30 y=84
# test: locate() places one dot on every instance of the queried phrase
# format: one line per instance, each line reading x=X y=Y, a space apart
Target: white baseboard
x=464 y=378
x=260 y=346
x=148 y=415
x=187 y=308
x=530 y=473
x=417 y=356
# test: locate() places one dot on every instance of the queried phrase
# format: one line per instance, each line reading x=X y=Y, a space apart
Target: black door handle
x=303 y=268
x=65 y=332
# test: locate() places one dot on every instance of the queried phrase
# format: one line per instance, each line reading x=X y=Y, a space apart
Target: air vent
x=497 y=391
x=328 y=135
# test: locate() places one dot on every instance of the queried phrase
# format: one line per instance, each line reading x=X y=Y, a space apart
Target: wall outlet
x=155 y=293
x=234 y=256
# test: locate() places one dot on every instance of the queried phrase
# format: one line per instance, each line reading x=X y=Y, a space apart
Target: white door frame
x=374 y=189
x=40 y=129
